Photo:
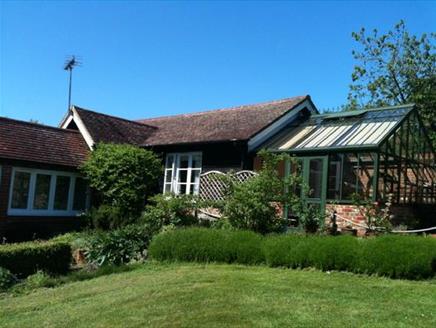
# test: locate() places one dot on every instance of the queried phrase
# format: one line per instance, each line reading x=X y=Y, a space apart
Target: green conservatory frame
x=400 y=165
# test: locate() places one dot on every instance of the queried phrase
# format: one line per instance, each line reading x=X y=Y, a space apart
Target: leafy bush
x=106 y=217
x=207 y=245
x=37 y=280
x=170 y=210
x=7 y=279
x=391 y=256
x=119 y=246
x=24 y=259
x=124 y=175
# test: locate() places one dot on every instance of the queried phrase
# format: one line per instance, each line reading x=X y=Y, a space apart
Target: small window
x=182 y=173
x=20 y=190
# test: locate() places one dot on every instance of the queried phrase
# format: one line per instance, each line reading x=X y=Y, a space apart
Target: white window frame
x=50 y=211
x=174 y=184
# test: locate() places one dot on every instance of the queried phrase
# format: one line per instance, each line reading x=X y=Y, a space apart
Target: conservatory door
x=315 y=177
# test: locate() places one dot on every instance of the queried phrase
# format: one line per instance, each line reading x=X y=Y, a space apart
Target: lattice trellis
x=213 y=183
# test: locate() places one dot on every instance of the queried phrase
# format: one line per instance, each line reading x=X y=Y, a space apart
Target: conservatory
x=377 y=153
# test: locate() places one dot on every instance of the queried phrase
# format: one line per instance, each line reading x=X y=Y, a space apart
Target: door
x=315 y=177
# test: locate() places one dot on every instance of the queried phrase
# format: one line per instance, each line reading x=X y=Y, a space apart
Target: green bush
x=24 y=259
x=207 y=245
x=391 y=256
x=7 y=279
x=409 y=257
x=170 y=210
x=119 y=246
x=106 y=217
x=124 y=176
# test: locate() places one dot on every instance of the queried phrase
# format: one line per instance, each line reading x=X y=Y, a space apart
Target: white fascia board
x=285 y=120
x=74 y=116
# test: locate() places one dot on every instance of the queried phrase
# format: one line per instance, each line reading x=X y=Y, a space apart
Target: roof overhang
x=73 y=116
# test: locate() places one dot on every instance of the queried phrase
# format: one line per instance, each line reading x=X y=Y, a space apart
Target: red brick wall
x=347 y=212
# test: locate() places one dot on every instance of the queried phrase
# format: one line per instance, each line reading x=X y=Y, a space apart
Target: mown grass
x=213 y=295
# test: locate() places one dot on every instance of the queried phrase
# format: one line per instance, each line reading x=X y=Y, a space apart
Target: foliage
x=176 y=210
x=257 y=203
x=119 y=246
x=108 y=217
x=377 y=215
x=391 y=256
x=395 y=68
x=124 y=175
x=7 y=279
x=207 y=245
x=24 y=259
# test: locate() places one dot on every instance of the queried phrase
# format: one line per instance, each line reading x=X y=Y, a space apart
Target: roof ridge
x=277 y=101
x=39 y=125
x=115 y=117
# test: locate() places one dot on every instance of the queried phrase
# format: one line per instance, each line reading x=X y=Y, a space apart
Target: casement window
x=40 y=192
x=182 y=173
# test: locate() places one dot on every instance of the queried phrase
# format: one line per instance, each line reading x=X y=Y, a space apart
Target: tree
x=395 y=68
x=123 y=175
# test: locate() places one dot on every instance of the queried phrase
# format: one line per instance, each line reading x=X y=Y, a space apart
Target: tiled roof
x=39 y=143
x=236 y=123
x=106 y=128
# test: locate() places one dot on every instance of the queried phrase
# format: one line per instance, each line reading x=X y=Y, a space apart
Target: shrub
x=391 y=256
x=207 y=245
x=106 y=217
x=37 y=280
x=119 y=246
x=124 y=175
x=7 y=279
x=170 y=210
x=24 y=259
x=409 y=257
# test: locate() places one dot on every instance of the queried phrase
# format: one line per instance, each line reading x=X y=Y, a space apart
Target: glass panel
x=195 y=176
x=334 y=177
x=20 y=190
x=183 y=175
x=167 y=188
x=182 y=188
x=315 y=178
x=196 y=161
x=168 y=176
x=184 y=161
x=79 y=195
x=170 y=160
x=350 y=172
x=61 y=193
x=42 y=191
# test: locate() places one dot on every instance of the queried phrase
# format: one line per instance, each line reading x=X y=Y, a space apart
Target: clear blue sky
x=145 y=59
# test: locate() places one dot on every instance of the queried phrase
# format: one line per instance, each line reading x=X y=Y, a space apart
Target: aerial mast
x=70 y=63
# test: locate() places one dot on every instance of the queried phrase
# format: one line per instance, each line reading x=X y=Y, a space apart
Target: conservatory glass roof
x=362 y=128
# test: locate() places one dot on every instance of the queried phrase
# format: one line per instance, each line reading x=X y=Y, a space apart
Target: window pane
x=61 y=194
x=350 y=172
x=167 y=187
x=42 y=191
x=182 y=188
x=184 y=161
x=79 y=195
x=196 y=161
x=195 y=176
x=170 y=160
x=183 y=176
x=20 y=190
x=315 y=178
x=168 y=175
x=334 y=177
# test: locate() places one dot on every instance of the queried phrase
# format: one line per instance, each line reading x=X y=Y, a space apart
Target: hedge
x=207 y=245
x=409 y=257
x=24 y=259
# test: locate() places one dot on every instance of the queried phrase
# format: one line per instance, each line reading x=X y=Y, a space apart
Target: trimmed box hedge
x=395 y=256
x=24 y=259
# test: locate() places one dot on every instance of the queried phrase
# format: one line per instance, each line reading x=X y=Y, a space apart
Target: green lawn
x=190 y=295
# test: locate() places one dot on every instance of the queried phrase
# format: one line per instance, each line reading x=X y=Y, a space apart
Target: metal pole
x=69 y=88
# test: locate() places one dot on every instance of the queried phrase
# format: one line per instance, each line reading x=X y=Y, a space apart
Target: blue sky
x=145 y=59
